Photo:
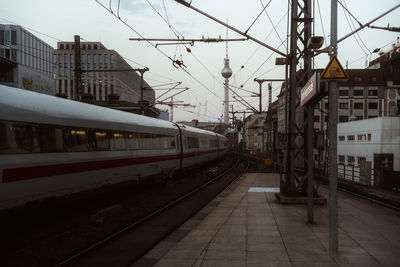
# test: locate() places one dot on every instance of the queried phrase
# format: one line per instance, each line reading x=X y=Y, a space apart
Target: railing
x=352 y=173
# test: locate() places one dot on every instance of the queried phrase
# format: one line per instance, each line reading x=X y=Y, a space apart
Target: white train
x=51 y=146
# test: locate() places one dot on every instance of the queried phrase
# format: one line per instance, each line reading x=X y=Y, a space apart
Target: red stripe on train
x=25 y=173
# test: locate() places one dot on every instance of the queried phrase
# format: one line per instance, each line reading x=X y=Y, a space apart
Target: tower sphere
x=226 y=71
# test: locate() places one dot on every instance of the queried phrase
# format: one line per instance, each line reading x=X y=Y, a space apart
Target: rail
x=131 y=226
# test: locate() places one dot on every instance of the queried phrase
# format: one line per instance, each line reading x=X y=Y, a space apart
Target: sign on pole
x=334 y=71
x=309 y=90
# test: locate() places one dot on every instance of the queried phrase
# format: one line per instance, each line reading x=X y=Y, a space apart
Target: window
x=372 y=105
x=2 y=37
x=71 y=64
x=343 y=119
x=89 y=89
x=351 y=160
x=67 y=46
x=361 y=137
x=94 y=61
x=369 y=137
x=88 y=61
x=133 y=140
x=316 y=118
x=343 y=105
x=358 y=105
x=118 y=141
x=61 y=46
x=192 y=142
x=89 y=47
x=341 y=138
x=71 y=86
x=51 y=139
x=146 y=142
x=341 y=159
x=358 y=92
x=95 y=47
x=18 y=138
x=373 y=79
x=94 y=89
x=361 y=159
x=372 y=92
x=350 y=138
x=326 y=106
x=358 y=79
x=13 y=37
x=76 y=139
x=59 y=65
x=343 y=92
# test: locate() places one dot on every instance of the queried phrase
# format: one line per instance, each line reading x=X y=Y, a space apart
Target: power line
x=269 y=18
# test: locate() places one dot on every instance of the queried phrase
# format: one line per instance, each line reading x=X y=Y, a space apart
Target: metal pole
x=77 y=68
x=333 y=113
x=309 y=114
x=260 y=104
x=291 y=186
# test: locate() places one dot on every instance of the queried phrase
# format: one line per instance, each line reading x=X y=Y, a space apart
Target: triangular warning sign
x=334 y=71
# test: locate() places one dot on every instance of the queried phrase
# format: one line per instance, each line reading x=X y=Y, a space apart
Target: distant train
x=51 y=146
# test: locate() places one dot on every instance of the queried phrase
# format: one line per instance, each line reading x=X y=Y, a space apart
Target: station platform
x=246 y=226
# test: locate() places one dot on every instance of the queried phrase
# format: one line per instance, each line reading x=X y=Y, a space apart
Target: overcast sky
x=61 y=20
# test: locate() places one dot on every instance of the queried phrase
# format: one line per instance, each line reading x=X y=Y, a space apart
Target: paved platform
x=242 y=228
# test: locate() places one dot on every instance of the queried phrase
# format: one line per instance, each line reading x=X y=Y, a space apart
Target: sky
x=56 y=20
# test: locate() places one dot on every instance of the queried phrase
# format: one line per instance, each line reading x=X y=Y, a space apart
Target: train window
x=133 y=140
x=51 y=139
x=156 y=141
x=213 y=143
x=4 y=145
x=146 y=141
x=118 y=142
x=22 y=135
x=102 y=138
x=192 y=142
x=165 y=142
x=171 y=142
x=77 y=139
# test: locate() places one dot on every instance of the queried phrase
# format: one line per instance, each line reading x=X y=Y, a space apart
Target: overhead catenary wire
x=269 y=18
x=352 y=27
x=180 y=66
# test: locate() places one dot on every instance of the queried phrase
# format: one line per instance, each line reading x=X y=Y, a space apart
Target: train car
x=51 y=146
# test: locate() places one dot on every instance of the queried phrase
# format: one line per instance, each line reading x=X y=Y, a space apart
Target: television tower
x=226 y=73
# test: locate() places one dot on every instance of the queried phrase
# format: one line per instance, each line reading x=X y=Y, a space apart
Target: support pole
x=77 y=68
x=332 y=132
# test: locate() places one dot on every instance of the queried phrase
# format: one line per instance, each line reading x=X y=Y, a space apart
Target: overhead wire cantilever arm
x=189 y=5
x=183 y=90
x=166 y=92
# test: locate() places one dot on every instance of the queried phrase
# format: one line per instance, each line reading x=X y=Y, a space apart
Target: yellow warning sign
x=334 y=71
x=267 y=161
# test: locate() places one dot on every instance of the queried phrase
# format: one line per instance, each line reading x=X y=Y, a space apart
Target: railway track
x=126 y=245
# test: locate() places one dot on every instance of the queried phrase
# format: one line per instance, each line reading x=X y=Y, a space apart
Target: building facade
x=367 y=140
x=26 y=62
x=106 y=75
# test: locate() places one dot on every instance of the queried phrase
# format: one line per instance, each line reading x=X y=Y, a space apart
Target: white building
x=368 y=140
x=26 y=61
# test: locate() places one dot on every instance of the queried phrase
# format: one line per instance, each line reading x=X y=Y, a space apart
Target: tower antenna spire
x=226 y=73
x=226 y=39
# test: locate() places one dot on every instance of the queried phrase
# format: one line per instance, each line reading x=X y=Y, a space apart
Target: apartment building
x=26 y=61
